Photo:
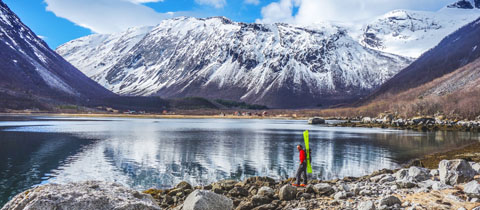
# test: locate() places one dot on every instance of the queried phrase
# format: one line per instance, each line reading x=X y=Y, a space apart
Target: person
x=302 y=168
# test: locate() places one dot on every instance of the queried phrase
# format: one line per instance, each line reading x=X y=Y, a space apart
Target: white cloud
x=281 y=11
x=254 y=2
x=106 y=16
x=214 y=3
x=311 y=11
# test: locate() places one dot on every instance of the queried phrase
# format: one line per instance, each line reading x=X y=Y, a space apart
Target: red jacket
x=302 y=156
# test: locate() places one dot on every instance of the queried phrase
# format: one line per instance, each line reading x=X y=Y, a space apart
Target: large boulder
x=472 y=189
x=323 y=189
x=81 y=196
x=207 y=200
x=418 y=174
x=454 y=172
x=287 y=192
x=316 y=121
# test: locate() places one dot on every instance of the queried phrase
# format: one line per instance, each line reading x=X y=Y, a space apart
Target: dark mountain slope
x=30 y=67
x=453 y=52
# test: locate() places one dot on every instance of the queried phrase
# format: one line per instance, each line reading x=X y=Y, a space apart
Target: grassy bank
x=469 y=152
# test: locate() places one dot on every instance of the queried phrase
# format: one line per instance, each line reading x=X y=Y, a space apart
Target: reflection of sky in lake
x=145 y=153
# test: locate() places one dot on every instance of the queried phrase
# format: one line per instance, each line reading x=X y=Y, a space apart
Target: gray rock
x=454 y=172
x=323 y=189
x=81 y=195
x=387 y=178
x=472 y=189
x=287 y=192
x=434 y=172
x=377 y=178
x=340 y=195
x=245 y=205
x=365 y=192
x=418 y=174
x=366 y=205
x=440 y=186
x=184 y=185
x=316 y=120
x=238 y=191
x=390 y=201
x=207 y=200
x=258 y=200
x=306 y=195
x=401 y=174
x=266 y=191
x=403 y=184
x=476 y=167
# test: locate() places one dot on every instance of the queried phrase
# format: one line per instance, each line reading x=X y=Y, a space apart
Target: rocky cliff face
x=29 y=66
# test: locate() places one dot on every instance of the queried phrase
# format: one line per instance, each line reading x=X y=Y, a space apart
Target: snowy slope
x=29 y=65
x=278 y=65
x=108 y=49
x=411 y=33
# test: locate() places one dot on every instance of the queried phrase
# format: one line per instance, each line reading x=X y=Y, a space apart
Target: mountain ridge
x=278 y=65
x=30 y=67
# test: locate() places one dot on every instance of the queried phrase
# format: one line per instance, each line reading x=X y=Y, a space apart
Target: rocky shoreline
x=424 y=123
x=454 y=184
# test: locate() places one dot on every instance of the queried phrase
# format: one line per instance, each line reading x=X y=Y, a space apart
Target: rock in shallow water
x=82 y=196
x=207 y=200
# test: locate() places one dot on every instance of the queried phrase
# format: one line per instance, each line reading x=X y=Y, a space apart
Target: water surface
x=145 y=153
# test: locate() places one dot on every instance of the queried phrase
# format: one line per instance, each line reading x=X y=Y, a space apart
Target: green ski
x=305 y=137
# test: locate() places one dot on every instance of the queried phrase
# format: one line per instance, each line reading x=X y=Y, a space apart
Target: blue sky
x=59 y=21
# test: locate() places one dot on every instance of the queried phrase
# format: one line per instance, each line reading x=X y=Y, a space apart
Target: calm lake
x=146 y=153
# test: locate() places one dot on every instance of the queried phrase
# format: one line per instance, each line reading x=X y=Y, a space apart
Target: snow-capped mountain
x=411 y=33
x=277 y=65
x=29 y=66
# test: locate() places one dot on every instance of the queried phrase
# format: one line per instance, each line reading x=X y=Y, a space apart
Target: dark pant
x=302 y=170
